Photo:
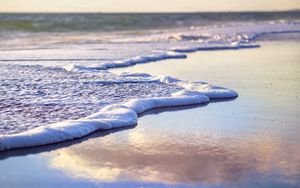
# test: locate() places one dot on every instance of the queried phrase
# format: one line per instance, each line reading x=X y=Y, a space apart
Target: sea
x=56 y=82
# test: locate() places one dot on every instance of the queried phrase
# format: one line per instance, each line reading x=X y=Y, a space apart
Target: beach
x=249 y=141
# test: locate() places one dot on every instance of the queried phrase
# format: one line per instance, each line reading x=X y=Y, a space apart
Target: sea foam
x=116 y=115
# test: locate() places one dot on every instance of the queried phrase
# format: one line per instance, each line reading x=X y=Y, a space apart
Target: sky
x=145 y=5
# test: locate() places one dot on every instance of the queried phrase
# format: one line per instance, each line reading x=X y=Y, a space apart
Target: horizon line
x=174 y=12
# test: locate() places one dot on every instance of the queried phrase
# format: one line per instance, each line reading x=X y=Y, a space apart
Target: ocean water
x=131 y=22
x=251 y=141
x=55 y=78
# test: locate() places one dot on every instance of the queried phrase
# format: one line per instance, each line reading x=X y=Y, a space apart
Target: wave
x=115 y=52
x=175 y=53
x=116 y=115
x=221 y=38
x=127 y=62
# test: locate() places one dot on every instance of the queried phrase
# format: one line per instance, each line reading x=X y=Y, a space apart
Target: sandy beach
x=251 y=141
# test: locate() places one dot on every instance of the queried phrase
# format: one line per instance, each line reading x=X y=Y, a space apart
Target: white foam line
x=127 y=62
x=116 y=115
x=214 y=47
x=212 y=92
x=174 y=53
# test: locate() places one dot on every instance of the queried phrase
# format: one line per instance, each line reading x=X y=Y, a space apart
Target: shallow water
x=252 y=141
x=50 y=77
x=34 y=96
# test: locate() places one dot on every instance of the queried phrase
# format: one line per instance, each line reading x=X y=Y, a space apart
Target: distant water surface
x=131 y=22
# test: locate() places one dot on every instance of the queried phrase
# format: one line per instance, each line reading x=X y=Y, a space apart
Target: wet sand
x=252 y=141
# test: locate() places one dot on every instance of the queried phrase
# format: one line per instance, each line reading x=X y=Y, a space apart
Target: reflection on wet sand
x=144 y=156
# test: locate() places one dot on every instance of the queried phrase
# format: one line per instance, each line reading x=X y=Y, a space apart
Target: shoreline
x=59 y=135
x=115 y=115
x=250 y=139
